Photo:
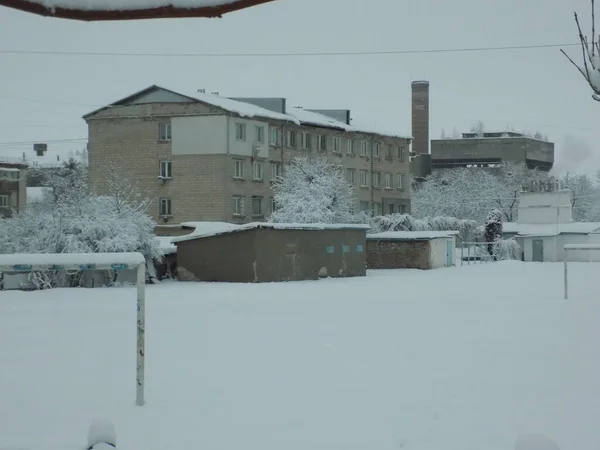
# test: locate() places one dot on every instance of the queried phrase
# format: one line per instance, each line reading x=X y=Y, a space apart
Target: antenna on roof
x=215 y=93
x=202 y=91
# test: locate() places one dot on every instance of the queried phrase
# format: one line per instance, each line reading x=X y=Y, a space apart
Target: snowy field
x=454 y=359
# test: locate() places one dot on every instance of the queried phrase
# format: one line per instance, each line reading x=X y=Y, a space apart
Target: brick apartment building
x=13 y=188
x=207 y=157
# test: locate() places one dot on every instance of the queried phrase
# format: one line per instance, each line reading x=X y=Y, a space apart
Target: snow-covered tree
x=493 y=231
x=73 y=221
x=470 y=193
x=586 y=196
x=590 y=49
x=314 y=191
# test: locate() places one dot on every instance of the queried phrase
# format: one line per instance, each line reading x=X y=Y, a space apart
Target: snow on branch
x=590 y=50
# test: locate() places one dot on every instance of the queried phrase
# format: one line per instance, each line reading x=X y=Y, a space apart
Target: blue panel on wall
x=118 y=266
x=346 y=248
x=87 y=266
x=22 y=267
x=359 y=248
x=330 y=249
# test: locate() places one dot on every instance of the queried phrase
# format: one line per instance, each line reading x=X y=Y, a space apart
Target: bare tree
x=590 y=50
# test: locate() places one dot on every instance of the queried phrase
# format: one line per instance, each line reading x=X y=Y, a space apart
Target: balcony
x=9 y=185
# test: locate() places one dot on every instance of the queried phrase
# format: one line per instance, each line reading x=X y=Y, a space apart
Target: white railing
x=566 y=262
x=16 y=262
x=475 y=251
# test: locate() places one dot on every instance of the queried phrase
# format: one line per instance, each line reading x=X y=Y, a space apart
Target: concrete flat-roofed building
x=492 y=148
x=207 y=157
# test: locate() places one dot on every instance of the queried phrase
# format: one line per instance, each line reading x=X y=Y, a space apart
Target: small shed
x=411 y=249
x=269 y=252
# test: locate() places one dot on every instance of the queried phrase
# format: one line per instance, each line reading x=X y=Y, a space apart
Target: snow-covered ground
x=461 y=358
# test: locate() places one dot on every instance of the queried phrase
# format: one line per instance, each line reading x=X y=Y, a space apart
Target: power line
x=48 y=141
x=58 y=102
x=287 y=54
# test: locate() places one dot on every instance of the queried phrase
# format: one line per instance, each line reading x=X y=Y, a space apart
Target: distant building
x=490 y=149
x=545 y=225
x=206 y=157
x=13 y=188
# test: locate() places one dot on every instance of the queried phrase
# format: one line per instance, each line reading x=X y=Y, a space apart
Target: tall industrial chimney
x=420 y=116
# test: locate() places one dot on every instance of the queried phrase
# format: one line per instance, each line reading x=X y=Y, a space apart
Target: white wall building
x=545 y=224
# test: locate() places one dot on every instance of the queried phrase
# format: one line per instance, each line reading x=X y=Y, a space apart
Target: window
x=401 y=153
x=363 y=148
x=364 y=207
x=306 y=140
x=275 y=170
x=376 y=150
x=350 y=147
x=352 y=208
x=390 y=208
x=291 y=138
x=400 y=182
x=257 y=209
x=240 y=131
x=337 y=144
x=274 y=138
x=238 y=168
x=376 y=209
x=11 y=175
x=164 y=131
x=237 y=205
x=257 y=170
x=259 y=134
x=273 y=205
x=322 y=142
x=166 y=169
x=389 y=152
x=351 y=176
x=387 y=180
x=364 y=179
x=376 y=179
x=3 y=201
x=165 y=207
x=402 y=209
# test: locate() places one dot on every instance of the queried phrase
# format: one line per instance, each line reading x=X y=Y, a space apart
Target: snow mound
x=535 y=442
x=102 y=431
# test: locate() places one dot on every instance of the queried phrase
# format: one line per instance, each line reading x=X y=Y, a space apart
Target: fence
x=474 y=252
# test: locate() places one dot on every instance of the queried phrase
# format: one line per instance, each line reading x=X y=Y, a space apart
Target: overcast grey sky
x=43 y=97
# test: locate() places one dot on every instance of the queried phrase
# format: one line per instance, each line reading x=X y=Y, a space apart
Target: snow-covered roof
x=52 y=157
x=225 y=228
x=410 y=235
x=166 y=245
x=525 y=229
x=298 y=116
x=95 y=10
x=307 y=117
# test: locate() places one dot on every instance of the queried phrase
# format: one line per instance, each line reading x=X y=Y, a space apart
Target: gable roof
x=102 y=10
x=223 y=103
x=298 y=116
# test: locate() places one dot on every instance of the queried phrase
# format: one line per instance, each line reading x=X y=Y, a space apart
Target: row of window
x=257 y=170
x=238 y=206
x=363 y=179
x=304 y=140
x=10 y=175
x=379 y=180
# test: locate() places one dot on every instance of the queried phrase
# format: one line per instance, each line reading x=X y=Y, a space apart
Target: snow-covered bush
x=314 y=191
x=505 y=249
x=406 y=222
x=72 y=221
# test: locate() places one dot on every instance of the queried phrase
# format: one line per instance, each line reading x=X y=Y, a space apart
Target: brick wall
x=398 y=254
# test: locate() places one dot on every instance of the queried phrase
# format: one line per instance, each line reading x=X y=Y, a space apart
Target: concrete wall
x=203 y=135
x=394 y=254
x=545 y=207
x=227 y=257
x=287 y=255
x=420 y=116
x=554 y=247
